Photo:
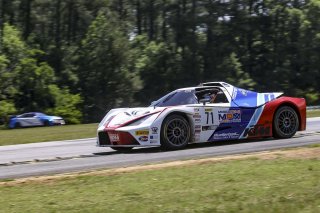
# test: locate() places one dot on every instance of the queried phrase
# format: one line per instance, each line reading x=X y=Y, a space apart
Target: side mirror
x=204 y=101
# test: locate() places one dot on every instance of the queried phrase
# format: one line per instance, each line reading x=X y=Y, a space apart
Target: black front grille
x=103 y=138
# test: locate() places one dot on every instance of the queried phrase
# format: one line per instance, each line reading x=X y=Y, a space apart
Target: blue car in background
x=34 y=119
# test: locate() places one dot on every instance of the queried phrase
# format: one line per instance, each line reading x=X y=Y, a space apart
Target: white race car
x=210 y=112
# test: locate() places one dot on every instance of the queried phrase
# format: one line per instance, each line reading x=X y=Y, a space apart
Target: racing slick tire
x=285 y=122
x=175 y=132
x=121 y=149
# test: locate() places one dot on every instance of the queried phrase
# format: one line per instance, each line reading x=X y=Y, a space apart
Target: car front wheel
x=175 y=132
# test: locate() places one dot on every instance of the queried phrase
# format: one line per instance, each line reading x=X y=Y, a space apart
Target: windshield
x=178 y=97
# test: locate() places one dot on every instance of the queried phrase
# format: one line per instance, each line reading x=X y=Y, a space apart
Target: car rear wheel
x=285 y=123
x=121 y=149
x=175 y=132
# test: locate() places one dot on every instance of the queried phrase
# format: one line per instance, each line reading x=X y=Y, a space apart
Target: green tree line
x=78 y=59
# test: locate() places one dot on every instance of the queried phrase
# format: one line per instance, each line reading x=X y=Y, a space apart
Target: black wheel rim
x=287 y=122
x=177 y=132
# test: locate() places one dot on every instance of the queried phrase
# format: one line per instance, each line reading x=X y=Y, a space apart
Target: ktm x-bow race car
x=213 y=111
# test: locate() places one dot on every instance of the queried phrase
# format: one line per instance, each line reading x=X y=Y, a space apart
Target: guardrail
x=313 y=107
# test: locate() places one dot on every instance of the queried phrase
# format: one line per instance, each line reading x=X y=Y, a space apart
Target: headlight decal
x=141 y=118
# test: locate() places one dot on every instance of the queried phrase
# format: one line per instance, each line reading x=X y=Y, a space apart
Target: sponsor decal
x=197 y=126
x=197 y=116
x=197 y=131
x=142 y=132
x=197 y=120
x=196 y=110
x=153 y=141
x=143 y=138
x=154 y=130
x=229 y=116
x=208 y=109
x=230 y=135
x=153 y=136
x=114 y=137
x=257 y=130
x=210 y=127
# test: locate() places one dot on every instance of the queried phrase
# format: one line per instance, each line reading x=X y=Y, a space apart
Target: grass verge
x=313 y=113
x=254 y=183
x=42 y=134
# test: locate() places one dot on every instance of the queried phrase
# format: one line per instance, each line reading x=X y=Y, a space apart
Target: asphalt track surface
x=82 y=155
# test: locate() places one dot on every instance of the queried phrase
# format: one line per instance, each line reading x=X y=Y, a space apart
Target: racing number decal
x=209 y=114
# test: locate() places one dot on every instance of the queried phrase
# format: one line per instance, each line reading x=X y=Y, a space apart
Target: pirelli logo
x=142 y=132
